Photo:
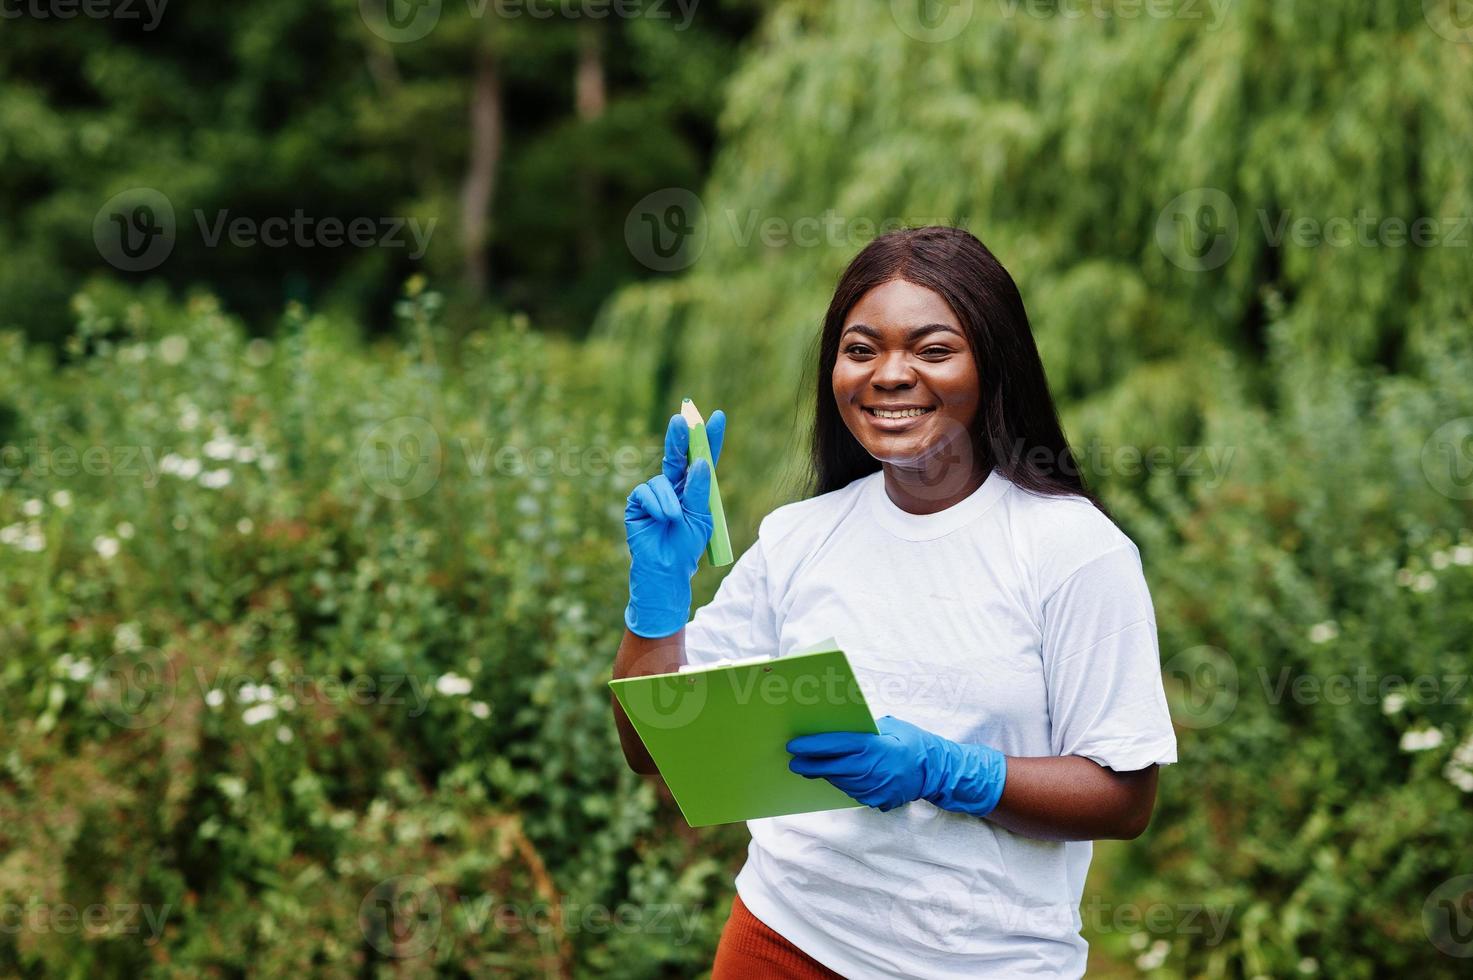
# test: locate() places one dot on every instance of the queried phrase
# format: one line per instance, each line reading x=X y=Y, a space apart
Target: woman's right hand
x=667 y=521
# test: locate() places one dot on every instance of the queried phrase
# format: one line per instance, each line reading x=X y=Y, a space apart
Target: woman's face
x=901 y=347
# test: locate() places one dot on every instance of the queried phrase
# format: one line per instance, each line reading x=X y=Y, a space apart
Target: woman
x=993 y=613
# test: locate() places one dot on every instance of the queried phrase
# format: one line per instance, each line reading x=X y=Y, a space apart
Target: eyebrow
x=910 y=335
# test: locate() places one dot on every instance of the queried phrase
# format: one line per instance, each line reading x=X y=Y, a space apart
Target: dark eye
x=856 y=349
x=939 y=350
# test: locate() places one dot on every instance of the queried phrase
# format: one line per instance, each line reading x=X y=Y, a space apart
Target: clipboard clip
x=726 y=662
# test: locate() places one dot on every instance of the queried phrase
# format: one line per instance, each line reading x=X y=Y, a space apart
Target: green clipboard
x=718 y=733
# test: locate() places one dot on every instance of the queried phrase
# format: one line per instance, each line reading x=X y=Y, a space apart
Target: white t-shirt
x=1017 y=620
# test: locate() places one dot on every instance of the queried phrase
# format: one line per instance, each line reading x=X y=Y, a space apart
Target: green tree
x=515 y=139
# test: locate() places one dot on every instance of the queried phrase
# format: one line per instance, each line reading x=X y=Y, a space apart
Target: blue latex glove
x=667 y=521
x=901 y=764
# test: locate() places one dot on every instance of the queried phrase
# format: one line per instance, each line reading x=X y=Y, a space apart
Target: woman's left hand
x=901 y=764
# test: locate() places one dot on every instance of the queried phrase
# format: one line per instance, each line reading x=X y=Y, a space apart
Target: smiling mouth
x=897 y=416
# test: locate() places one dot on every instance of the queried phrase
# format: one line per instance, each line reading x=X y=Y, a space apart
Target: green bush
x=257 y=670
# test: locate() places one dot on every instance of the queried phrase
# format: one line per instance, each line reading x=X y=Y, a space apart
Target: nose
x=893 y=370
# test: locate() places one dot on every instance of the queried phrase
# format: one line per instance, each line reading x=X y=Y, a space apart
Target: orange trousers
x=749 y=950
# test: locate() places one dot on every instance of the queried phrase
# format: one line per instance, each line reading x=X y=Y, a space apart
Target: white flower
x=1463 y=754
x=1424 y=582
x=127 y=637
x=32 y=508
x=1463 y=555
x=185 y=468
x=247 y=693
x=268 y=461
x=245 y=454
x=62 y=499
x=79 y=670
x=26 y=537
x=258 y=713
x=481 y=709
x=1394 y=702
x=214 y=479
x=245 y=525
x=1420 y=741
x=452 y=684
x=215 y=697
x=105 y=546
x=173 y=349
x=283 y=734
x=189 y=418
x=1324 y=632
x=266 y=693
x=1153 y=957
x=1439 y=560
x=220 y=447
x=125 y=530
x=1459 y=768
x=1309 y=965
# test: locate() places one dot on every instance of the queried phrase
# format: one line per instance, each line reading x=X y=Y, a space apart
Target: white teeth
x=908 y=413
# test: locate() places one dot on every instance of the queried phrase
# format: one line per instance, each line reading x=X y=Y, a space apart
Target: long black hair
x=1016 y=429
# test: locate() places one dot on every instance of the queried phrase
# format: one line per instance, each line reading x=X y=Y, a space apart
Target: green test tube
x=718 y=549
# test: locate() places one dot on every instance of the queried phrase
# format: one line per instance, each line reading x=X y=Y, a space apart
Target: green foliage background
x=1305 y=522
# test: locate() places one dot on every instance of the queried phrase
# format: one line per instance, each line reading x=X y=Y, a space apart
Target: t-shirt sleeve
x=739 y=620
x=1103 y=666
